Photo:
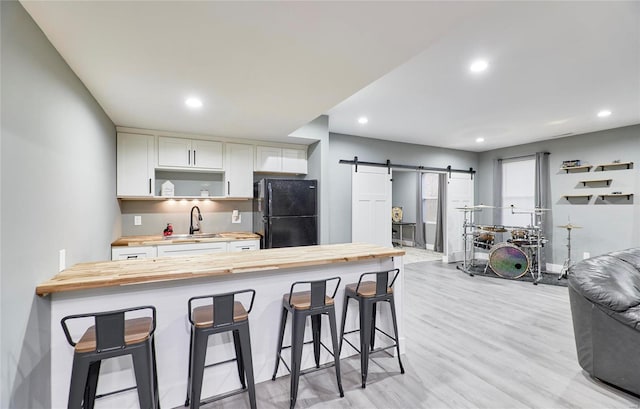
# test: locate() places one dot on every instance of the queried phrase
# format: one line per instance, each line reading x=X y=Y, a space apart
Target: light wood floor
x=472 y=342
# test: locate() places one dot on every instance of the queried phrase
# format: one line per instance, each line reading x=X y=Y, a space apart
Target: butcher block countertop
x=159 y=239
x=101 y=274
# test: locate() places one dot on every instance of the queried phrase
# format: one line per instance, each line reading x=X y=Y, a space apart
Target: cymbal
x=570 y=226
x=481 y=206
x=495 y=229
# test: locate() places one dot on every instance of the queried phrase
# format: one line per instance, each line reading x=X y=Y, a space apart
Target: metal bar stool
x=368 y=294
x=314 y=304
x=112 y=335
x=222 y=315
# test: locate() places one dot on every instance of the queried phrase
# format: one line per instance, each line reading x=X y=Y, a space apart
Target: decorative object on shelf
x=396 y=214
x=168 y=231
x=570 y=163
x=204 y=192
x=167 y=189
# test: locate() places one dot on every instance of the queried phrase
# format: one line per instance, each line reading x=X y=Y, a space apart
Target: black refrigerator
x=285 y=212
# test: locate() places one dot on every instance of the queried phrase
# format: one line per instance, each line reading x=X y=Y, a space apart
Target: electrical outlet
x=586 y=255
x=137 y=220
x=62 y=260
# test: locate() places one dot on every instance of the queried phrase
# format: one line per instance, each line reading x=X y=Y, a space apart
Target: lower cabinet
x=187 y=249
x=244 y=245
x=133 y=253
x=191 y=249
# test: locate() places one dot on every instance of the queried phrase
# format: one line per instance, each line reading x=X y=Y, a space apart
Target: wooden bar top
x=159 y=239
x=125 y=272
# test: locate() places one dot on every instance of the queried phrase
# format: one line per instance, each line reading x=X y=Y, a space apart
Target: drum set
x=513 y=250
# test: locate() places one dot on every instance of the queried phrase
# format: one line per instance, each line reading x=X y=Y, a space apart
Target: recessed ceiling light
x=604 y=113
x=363 y=120
x=193 y=102
x=479 y=66
x=479 y=140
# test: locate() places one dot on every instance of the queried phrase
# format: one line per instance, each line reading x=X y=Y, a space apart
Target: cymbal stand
x=467 y=229
x=567 y=263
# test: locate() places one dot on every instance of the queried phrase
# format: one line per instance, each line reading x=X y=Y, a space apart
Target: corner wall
x=57 y=191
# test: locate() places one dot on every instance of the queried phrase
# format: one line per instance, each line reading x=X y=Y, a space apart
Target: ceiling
x=264 y=69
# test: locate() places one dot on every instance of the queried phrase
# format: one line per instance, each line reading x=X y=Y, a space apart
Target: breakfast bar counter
x=168 y=282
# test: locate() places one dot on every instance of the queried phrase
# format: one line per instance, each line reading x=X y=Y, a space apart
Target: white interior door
x=371 y=205
x=459 y=194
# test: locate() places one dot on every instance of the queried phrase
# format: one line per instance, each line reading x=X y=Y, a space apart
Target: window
x=518 y=189
x=430 y=197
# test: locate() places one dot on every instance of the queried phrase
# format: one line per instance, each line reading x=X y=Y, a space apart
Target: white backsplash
x=156 y=214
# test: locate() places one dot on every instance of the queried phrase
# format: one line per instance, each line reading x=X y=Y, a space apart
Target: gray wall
x=404 y=194
x=607 y=227
x=317 y=153
x=57 y=192
x=376 y=150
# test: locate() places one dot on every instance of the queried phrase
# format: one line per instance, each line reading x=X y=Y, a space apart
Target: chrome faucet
x=194 y=227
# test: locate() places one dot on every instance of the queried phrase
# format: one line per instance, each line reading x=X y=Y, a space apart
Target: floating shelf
x=585 y=182
x=568 y=197
x=161 y=198
x=585 y=168
x=628 y=195
x=628 y=165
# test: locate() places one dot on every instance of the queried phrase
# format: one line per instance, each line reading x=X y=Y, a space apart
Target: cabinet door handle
x=149 y=185
x=194 y=157
x=228 y=188
x=130 y=257
x=189 y=157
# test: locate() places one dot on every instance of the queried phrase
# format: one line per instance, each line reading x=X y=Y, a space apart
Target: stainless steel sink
x=192 y=236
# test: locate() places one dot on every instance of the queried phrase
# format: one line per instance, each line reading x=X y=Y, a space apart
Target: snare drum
x=508 y=261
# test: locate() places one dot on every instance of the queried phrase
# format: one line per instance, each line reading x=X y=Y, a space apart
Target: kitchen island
x=168 y=282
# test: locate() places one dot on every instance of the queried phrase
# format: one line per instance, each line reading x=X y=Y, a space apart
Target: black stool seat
x=222 y=314
x=368 y=294
x=313 y=303
x=111 y=336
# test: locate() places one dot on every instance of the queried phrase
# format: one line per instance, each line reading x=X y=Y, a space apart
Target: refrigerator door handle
x=270 y=193
x=270 y=235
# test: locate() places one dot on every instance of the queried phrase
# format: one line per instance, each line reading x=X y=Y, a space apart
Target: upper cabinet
x=238 y=172
x=135 y=164
x=280 y=160
x=189 y=153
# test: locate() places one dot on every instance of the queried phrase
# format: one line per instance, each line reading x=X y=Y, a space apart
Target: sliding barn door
x=459 y=194
x=371 y=205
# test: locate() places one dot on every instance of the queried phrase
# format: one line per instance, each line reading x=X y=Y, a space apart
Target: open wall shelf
x=613 y=166
x=596 y=181
x=583 y=168
x=611 y=195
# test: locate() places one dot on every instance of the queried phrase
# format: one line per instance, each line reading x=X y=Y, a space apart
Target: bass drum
x=508 y=261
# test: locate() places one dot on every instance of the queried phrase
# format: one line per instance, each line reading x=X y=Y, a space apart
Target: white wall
x=57 y=192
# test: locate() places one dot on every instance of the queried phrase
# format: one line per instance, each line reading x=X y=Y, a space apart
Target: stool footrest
x=309 y=342
x=222 y=396
x=102 y=395
x=221 y=362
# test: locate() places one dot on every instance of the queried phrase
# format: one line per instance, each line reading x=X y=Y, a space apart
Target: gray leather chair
x=605 y=306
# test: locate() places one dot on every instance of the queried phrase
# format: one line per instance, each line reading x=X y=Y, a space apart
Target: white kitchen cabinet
x=294 y=161
x=191 y=249
x=280 y=160
x=133 y=252
x=238 y=171
x=135 y=162
x=244 y=245
x=189 y=153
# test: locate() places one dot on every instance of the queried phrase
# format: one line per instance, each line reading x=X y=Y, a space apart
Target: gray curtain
x=497 y=192
x=543 y=200
x=438 y=244
x=420 y=226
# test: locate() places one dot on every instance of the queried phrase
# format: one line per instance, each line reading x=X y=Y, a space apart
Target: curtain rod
x=524 y=156
x=390 y=165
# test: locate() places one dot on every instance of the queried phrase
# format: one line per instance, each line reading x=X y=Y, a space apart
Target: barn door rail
x=355 y=161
